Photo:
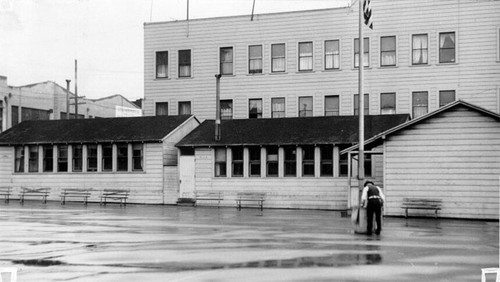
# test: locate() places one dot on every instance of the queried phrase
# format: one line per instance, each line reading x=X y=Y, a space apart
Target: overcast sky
x=40 y=39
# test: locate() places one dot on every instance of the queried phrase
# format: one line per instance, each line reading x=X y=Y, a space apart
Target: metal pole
x=76 y=90
x=361 y=102
x=67 y=98
x=253 y=8
x=217 y=107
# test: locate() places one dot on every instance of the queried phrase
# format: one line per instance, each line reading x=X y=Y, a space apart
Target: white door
x=186 y=177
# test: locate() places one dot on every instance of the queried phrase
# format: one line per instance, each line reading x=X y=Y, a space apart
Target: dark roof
x=143 y=129
x=290 y=131
x=376 y=139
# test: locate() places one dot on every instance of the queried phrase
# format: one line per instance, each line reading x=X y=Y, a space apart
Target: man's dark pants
x=374 y=207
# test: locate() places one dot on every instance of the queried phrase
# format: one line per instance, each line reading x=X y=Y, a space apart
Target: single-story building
x=451 y=154
x=136 y=153
x=296 y=162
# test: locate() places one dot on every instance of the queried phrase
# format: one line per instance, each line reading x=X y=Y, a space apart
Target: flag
x=367 y=11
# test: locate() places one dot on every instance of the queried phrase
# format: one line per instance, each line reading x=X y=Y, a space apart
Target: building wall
x=454 y=157
x=112 y=106
x=474 y=76
x=145 y=186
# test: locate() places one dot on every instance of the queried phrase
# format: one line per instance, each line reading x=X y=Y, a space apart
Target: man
x=372 y=199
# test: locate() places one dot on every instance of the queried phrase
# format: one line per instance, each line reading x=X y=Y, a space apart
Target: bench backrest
x=422 y=201
x=251 y=195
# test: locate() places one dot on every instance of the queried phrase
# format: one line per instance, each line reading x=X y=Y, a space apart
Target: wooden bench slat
x=422 y=204
x=37 y=192
x=208 y=196
x=120 y=195
x=256 y=197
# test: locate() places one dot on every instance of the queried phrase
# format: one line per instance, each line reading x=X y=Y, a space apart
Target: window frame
x=251 y=59
x=48 y=159
x=382 y=52
x=106 y=158
x=237 y=164
x=440 y=49
x=222 y=63
x=310 y=57
x=62 y=160
x=179 y=65
x=139 y=158
x=257 y=113
x=420 y=49
x=19 y=158
x=381 y=104
x=367 y=61
x=221 y=110
x=305 y=112
x=273 y=112
x=220 y=166
x=273 y=163
x=290 y=169
x=326 y=113
x=157 y=104
x=254 y=162
x=440 y=98
x=122 y=156
x=333 y=55
x=76 y=159
x=273 y=58
x=167 y=65
x=91 y=157
x=33 y=156
x=308 y=162
x=323 y=150
x=181 y=103
x=414 y=107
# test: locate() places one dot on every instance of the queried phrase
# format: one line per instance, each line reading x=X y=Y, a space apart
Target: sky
x=41 y=39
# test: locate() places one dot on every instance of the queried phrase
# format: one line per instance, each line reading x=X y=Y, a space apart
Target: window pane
x=77 y=157
x=237 y=154
x=107 y=157
x=122 y=157
x=91 y=157
x=446 y=97
x=326 y=160
x=137 y=159
x=290 y=161
x=161 y=64
x=19 y=161
x=332 y=105
x=162 y=109
x=305 y=56
x=420 y=103
x=226 y=109
x=272 y=161
x=305 y=106
x=62 y=158
x=255 y=59
x=33 y=158
x=255 y=108
x=332 y=54
x=226 y=60
x=220 y=162
x=278 y=58
x=184 y=108
x=388 y=51
x=387 y=103
x=419 y=49
x=48 y=158
x=254 y=161
x=308 y=160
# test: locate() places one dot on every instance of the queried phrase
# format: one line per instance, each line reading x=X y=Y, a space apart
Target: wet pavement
x=168 y=243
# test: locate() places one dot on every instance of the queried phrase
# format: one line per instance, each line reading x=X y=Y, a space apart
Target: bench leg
x=406 y=213
x=63 y=200
x=44 y=199
x=21 y=199
x=85 y=200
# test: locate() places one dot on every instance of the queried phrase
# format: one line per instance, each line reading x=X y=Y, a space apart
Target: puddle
x=38 y=262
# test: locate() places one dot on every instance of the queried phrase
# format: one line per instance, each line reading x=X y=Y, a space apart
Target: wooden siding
x=475 y=76
x=281 y=192
x=145 y=187
x=454 y=156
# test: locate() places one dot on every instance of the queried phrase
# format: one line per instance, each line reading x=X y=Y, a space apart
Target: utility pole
x=67 y=98
x=217 y=107
x=76 y=90
x=361 y=103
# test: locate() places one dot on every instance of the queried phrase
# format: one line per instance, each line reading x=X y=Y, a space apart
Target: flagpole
x=361 y=104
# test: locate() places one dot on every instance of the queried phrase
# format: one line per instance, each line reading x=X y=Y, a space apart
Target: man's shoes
x=377 y=232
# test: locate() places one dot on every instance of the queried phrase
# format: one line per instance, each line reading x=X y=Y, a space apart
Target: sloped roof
x=290 y=131
x=458 y=103
x=141 y=129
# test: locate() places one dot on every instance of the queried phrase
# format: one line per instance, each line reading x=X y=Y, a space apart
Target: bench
x=208 y=196
x=84 y=194
x=252 y=197
x=5 y=192
x=421 y=204
x=35 y=192
x=120 y=195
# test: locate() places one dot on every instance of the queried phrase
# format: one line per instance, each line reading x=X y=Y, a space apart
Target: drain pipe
x=217 y=108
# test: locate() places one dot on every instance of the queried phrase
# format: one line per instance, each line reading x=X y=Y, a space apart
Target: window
x=343 y=164
x=62 y=158
x=19 y=161
x=419 y=49
x=420 y=103
x=326 y=162
x=255 y=59
x=446 y=97
x=226 y=60
x=226 y=109
x=387 y=103
x=272 y=160
x=278 y=57
x=237 y=165
x=305 y=106
x=290 y=161
x=366 y=52
x=184 y=63
x=308 y=161
x=137 y=159
x=368 y=165
x=184 y=108
x=92 y=157
x=254 y=161
x=447 y=47
x=332 y=54
x=162 y=109
x=48 y=158
x=387 y=51
x=107 y=157
x=122 y=157
x=34 y=114
x=162 y=64
x=305 y=56
x=366 y=104
x=278 y=107
x=33 y=158
x=77 y=158
x=220 y=162
x=255 y=108
x=332 y=105
x=15 y=115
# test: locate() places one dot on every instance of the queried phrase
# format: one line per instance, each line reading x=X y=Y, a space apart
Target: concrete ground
x=168 y=243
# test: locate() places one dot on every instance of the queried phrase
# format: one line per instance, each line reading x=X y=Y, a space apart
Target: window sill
x=185 y=77
x=388 y=67
x=446 y=64
x=331 y=70
x=419 y=66
x=366 y=68
x=255 y=74
x=305 y=71
x=228 y=75
x=162 y=78
x=278 y=73
x=80 y=172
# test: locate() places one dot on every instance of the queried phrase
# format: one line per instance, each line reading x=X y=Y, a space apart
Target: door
x=186 y=177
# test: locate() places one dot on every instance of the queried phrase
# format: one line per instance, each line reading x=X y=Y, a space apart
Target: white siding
x=454 y=156
x=475 y=76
